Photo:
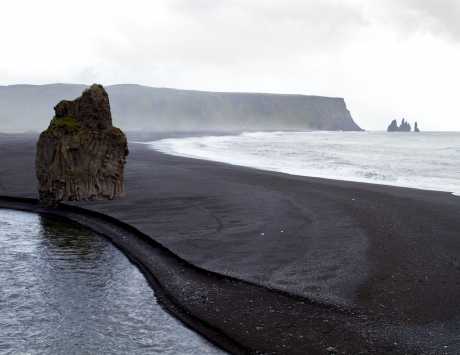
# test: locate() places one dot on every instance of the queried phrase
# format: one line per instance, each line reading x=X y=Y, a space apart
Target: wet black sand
x=365 y=268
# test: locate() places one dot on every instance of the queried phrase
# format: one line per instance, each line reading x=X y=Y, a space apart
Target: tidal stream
x=66 y=290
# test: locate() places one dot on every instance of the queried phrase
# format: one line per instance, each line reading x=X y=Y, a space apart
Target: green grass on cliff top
x=67 y=123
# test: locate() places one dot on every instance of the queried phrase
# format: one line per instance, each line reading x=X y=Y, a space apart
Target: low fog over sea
x=429 y=160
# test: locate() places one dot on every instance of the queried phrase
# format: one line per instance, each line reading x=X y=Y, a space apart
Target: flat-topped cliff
x=135 y=107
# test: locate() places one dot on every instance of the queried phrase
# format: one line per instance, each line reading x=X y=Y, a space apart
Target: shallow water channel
x=66 y=290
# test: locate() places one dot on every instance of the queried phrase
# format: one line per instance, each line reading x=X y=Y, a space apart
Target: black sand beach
x=326 y=266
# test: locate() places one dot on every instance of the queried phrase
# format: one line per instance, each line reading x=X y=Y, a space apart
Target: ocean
x=427 y=160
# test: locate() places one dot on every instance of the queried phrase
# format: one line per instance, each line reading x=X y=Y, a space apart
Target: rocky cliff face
x=136 y=107
x=81 y=156
x=403 y=127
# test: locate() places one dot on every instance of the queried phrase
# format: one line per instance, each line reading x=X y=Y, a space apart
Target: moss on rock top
x=81 y=156
x=67 y=123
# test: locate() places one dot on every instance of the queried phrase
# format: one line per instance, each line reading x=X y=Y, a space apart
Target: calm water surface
x=65 y=290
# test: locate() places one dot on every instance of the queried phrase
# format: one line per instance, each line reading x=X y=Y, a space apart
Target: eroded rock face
x=403 y=127
x=81 y=156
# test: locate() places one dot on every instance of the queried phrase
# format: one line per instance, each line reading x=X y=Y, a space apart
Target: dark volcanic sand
x=381 y=263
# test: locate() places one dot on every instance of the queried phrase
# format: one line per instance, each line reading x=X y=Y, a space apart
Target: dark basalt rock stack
x=404 y=127
x=393 y=127
x=81 y=156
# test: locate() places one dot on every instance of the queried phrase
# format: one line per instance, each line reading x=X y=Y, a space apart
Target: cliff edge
x=81 y=155
x=143 y=108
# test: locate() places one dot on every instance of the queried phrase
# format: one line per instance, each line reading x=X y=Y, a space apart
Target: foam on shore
x=429 y=161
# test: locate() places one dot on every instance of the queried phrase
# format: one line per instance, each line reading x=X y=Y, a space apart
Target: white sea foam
x=428 y=160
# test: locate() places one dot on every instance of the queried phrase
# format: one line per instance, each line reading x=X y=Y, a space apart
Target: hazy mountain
x=135 y=107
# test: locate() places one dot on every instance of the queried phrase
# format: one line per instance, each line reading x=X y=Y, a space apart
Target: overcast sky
x=387 y=58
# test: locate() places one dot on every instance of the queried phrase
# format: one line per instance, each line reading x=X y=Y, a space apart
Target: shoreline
x=385 y=256
x=170 y=149
x=116 y=232
x=140 y=248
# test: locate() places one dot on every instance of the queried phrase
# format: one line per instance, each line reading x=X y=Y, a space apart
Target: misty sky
x=388 y=58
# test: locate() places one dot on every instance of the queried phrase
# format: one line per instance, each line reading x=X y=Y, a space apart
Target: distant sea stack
x=403 y=127
x=81 y=156
x=136 y=107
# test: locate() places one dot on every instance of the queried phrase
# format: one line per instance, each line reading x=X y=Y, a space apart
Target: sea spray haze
x=428 y=161
x=137 y=107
